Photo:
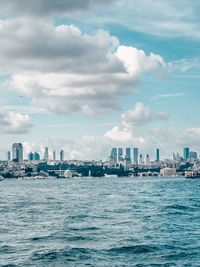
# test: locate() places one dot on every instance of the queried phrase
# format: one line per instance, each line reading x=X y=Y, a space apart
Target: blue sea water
x=100 y=222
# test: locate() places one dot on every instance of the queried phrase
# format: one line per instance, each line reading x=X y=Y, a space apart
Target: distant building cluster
x=17 y=154
x=127 y=156
x=122 y=162
x=132 y=161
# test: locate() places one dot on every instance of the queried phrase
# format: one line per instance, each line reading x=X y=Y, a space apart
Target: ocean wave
x=136 y=249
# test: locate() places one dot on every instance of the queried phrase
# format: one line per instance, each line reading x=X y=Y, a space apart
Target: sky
x=86 y=76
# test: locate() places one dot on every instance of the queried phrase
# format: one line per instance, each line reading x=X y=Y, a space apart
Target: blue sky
x=88 y=75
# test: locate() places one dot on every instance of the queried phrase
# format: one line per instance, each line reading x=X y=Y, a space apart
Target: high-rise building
x=135 y=155
x=193 y=155
x=17 y=152
x=113 y=154
x=54 y=155
x=30 y=156
x=147 y=160
x=140 y=160
x=178 y=157
x=157 y=154
x=8 y=156
x=36 y=156
x=62 y=154
x=120 y=154
x=128 y=154
x=186 y=153
x=174 y=157
x=46 y=153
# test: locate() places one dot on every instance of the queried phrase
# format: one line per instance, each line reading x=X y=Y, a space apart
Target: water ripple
x=100 y=222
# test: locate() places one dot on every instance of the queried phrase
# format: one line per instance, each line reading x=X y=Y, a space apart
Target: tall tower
x=157 y=154
x=147 y=161
x=54 y=155
x=30 y=156
x=46 y=153
x=120 y=154
x=17 y=152
x=186 y=153
x=8 y=156
x=113 y=154
x=62 y=155
x=135 y=155
x=36 y=156
x=128 y=154
x=140 y=159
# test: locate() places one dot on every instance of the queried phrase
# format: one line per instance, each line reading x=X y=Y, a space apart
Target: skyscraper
x=157 y=154
x=30 y=156
x=17 y=152
x=128 y=154
x=135 y=155
x=113 y=154
x=186 y=153
x=36 y=156
x=62 y=154
x=140 y=159
x=147 y=160
x=8 y=156
x=174 y=157
x=120 y=154
x=46 y=153
x=54 y=155
x=193 y=155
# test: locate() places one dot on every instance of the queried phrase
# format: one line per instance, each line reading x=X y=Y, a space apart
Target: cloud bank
x=49 y=7
x=64 y=70
x=14 y=123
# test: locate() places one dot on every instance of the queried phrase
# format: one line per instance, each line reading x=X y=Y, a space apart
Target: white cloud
x=154 y=17
x=14 y=123
x=141 y=115
x=186 y=64
x=93 y=147
x=136 y=61
x=119 y=135
x=161 y=18
x=64 y=70
x=48 y=7
x=167 y=95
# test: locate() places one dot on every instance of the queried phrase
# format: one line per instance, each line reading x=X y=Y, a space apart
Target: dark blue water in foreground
x=100 y=222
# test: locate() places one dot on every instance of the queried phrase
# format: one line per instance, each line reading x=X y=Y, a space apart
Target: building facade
x=62 y=155
x=113 y=154
x=157 y=154
x=17 y=152
x=135 y=155
x=186 y=153
x=120 y=154
x=46 y=153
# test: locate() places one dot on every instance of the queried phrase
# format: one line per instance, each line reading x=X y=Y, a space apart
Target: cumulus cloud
x=48 y=7
x=14 y=123
x=64 y=70
x=141 y=115
x=119 y=135
x=136 y=61
x=41 y=46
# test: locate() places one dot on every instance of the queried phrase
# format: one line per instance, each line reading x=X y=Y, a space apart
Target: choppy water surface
x=100 y=222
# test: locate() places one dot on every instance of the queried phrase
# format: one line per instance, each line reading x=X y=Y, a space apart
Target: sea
x=100 y=222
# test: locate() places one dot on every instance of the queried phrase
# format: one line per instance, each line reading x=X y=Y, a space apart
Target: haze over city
x=87 y=76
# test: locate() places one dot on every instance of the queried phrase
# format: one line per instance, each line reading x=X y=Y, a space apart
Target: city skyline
x=89 y=77
x=117 y=154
